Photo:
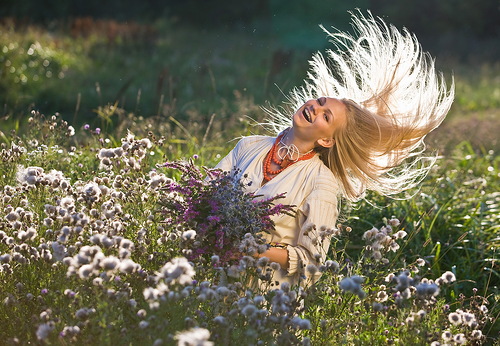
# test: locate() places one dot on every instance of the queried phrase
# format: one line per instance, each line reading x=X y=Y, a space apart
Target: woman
x=349 y=133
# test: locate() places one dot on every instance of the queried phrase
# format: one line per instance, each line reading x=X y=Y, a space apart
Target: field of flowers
x=96 y=248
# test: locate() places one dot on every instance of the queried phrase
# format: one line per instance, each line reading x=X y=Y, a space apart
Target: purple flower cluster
x=217 y=207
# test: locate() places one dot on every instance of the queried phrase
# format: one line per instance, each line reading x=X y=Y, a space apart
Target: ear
x=326 y=142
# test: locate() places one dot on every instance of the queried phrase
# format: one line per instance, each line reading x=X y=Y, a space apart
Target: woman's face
x=317 y=120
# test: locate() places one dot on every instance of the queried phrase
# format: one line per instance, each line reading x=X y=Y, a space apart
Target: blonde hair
x=393 y=99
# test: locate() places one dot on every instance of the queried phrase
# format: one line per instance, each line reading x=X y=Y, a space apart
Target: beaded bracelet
x=279 y=245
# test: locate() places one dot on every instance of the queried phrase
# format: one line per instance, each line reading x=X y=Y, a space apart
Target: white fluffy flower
x=189 y=234
x=194 y=337
x=400 y=235
x=178 y=270
x=448 y=277
x=44 y=330
x=353 y=285
x=128 y=266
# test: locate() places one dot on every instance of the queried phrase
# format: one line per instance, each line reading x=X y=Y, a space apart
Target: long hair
x=393 y=98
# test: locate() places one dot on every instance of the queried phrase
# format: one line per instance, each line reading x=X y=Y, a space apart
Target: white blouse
x=309 y=186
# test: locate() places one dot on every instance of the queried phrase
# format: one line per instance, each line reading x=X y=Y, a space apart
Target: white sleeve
x=228 y=163
x=319 y=210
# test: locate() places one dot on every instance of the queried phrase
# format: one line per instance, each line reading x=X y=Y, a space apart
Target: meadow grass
x=86 y=256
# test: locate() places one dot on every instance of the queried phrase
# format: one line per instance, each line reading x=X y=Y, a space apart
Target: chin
x=298 y=119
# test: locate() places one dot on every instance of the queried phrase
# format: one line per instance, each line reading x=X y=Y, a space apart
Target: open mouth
x=307 y=115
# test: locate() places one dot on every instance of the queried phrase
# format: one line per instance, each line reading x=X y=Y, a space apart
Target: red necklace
x=282 y=163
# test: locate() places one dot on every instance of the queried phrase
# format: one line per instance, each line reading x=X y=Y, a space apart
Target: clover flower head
x=44 y=330
x=249 y=310
x=477 y=334
x=332 y=265
x=353 y=285
x=84 y=313
x=67 y=202
x=400 y=235
x=262 y=262
x=12 y=216
x=189 y=234
x=460 y=338
x=357 y=279
x=146 y=143
x=128 y=266
x=86 y=271
x=404 y=281
x=71 y=131
x=194 y=337
x=275 y=266
x=382 y=296
x=469 y=319
x=394 y=222
x=455 y=318
x=124 y=243
x=311 y=269
x=446 y=335
x=29 y=234
x=220 y=320
x=59 y=250
x=143 y=324
x=448 y=277
x=178 y=270
x=29 y=175
x=300 y=323
x=425 y=289
x=70 y=331
x=285 y=286
x=368 y=235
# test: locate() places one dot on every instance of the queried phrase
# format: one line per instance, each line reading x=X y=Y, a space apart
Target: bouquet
x=216 y=215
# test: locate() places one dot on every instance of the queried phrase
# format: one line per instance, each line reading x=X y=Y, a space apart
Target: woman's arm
x=277 y=255
x=319 y=210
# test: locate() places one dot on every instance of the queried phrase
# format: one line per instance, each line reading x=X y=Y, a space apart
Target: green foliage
x=103 y=62
x=471 y=91
x=455 y=213
x=32 y=64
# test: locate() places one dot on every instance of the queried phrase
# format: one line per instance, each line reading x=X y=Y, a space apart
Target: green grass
x=173 y=72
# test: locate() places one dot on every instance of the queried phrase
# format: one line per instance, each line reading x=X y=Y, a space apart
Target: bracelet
x=278 y=245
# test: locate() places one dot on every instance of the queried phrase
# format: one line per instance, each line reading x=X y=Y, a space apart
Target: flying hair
x=393 y=98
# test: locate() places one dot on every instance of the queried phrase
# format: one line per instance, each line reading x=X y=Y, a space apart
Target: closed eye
x=321 y=101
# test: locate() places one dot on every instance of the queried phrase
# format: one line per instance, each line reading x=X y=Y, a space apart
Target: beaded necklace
x=283 y=161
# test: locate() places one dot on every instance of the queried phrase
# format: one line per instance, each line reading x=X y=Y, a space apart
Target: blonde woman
x=357 y=124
